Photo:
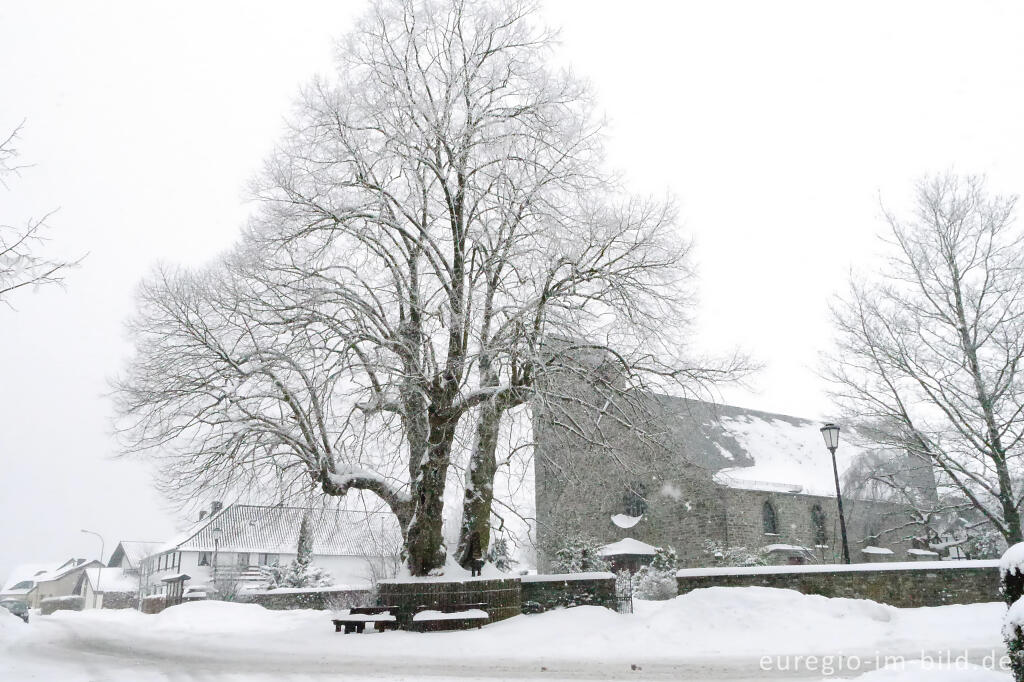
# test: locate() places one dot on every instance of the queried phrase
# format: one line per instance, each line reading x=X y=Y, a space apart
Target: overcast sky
x=776 y=125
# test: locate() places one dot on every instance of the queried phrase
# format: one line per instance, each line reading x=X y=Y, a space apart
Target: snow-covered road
x=718 y=634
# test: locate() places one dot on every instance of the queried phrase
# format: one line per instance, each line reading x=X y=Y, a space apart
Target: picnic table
x=357 y=618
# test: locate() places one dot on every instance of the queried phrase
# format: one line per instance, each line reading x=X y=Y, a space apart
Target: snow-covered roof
x=755 y=450
x=275 y=530
x=27 y=573
x=627 y=546
x=111 y=579
x=130 y=553
x=876 y=550
x=40 y=573
x=786 y=548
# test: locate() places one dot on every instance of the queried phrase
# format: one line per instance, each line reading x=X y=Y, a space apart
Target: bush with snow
x=1011 y=574
x=579 y=554
x=657 y=581
x=720 y=554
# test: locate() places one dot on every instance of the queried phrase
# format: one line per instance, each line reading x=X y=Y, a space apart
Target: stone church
x=695 y=476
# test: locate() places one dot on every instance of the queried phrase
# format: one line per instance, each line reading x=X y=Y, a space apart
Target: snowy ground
x=713 y=634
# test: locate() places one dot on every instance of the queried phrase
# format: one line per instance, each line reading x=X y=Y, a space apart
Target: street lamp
x=830 y=432
x=217 y=535
x=99 y=573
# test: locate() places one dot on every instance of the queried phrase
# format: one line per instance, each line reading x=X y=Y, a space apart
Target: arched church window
x=769 y=519
x=634 y=500
x=818 y=522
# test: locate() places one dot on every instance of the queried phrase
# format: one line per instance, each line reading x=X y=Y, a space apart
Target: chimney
x=202 y=514
x=216 y=507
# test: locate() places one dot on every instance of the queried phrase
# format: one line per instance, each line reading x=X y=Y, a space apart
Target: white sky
x=777 y=125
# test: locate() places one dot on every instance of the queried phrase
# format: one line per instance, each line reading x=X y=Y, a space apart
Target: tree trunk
x=424 y=544
x=475 y=531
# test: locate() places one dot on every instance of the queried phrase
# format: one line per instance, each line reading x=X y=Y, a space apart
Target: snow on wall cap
x=839 y=568
x=627 y=546
x=786 y=548
x=567 y=577
x=1013 y=560
x=922 y=552
x=876 y=550
x=626 y=521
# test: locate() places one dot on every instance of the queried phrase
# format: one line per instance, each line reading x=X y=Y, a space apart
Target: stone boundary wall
x=906 y=585
x=545 y=592
x=321 y=599
x=71 y=603
x=154 y=603
x=119 y=600
x=503 y=596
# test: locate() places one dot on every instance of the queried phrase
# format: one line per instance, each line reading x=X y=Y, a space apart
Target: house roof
x=129 y=553
x=112 y=579
x=26 y=573
x=275 y=530
x=39 y=573
x=755 y=450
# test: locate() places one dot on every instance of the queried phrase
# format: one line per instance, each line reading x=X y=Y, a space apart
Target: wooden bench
x=463 y=617
x=381 y=617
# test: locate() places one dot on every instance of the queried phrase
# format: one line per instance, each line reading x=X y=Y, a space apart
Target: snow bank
x=915 y=671
x=839 y=568
x=220 y=617
x=11 y=627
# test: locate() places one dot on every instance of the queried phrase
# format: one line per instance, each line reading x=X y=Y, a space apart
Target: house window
x=269 y=559
x=634 y=500
x=243 y=560
x=204 y=558
x=769 y=519
x=818 y=525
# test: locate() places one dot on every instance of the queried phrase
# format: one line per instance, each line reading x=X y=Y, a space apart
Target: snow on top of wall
x=837 y=568
x=876 y=550
x=566 y=577
x=625 y=521
x=922 y=552
x=789 y=455
x=627 y=546
x=786 y=548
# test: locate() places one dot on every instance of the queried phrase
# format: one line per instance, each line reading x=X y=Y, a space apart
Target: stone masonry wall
x=546 y=592
x=933 y=583
x=286 y=600
x=503 y=596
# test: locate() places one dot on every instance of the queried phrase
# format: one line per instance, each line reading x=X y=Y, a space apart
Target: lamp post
x=830 y=432
x=217 y=534
x=99 y=574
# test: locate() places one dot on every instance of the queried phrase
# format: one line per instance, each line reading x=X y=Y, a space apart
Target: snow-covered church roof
x=755 y=450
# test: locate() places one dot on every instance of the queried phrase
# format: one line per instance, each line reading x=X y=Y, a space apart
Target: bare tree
x=21 y=265
x=930 y=350
x=432 y=220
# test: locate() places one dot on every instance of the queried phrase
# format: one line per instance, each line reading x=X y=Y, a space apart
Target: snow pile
x=220 y=617
x=11 y=627
x=915 y=671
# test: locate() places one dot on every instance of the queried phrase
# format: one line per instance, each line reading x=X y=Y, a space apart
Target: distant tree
x=930 y=348
x=300 y=572
x=21 y=264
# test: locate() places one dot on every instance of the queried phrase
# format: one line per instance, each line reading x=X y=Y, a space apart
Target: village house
x=225 y=549
x=32 y=583
x=704 y=478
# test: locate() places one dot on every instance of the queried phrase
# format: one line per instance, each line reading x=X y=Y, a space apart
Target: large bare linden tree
x=436 y=234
